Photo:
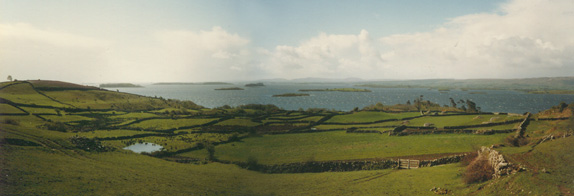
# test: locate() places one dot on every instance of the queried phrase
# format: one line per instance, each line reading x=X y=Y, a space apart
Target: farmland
x=57 y=137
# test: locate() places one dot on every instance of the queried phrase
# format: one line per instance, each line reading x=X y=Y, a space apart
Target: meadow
x=59 y=138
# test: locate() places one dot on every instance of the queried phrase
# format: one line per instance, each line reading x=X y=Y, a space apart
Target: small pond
x=144 y=147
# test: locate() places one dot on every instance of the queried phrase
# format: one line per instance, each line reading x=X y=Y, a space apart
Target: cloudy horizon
x=197 y=41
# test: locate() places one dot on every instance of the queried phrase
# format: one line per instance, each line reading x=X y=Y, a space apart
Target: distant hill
x=534 y=85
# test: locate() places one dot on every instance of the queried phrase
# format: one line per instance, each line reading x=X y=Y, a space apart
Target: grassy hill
x=58 y=138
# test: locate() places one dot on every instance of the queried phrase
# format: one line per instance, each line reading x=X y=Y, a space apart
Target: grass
x=161 y=124
x=441 y=121
x=238 y=122
x=367 y=116
x=67 y=118
x=338 y=145
x=57 y=167
x=134 y=115
x=35 y=110
x=549 y=171
x=111 y=133
x=8 y=109
x=35 y=171
x=25 y=94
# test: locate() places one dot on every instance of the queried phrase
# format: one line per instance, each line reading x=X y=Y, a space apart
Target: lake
x=488 y=100
x=144 y=147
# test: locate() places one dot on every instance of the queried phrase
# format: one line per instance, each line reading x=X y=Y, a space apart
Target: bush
x=478 y=171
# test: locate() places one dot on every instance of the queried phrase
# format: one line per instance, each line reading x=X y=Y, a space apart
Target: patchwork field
x=64 y=139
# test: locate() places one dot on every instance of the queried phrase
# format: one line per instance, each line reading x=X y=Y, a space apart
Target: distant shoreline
x=120 y=85
x=192 y=83
x=336 y=89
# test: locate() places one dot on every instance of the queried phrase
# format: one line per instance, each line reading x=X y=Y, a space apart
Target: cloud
x=523 y=38
x=325 y=56
x=526 y=39
x=182 y=55
x=27 y=52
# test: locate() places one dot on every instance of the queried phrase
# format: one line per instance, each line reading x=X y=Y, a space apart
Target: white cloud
x=527 y=39
x=27 y=52
x=201 y=56
x=325 y=56
x=524 y=38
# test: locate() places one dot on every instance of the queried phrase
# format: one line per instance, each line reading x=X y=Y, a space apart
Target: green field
x=370 y=117
x=170 y=123
x=338 y=145
x=8 y=109
x=72 y=144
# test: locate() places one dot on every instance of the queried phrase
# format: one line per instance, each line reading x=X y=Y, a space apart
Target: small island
x=119 y=85
x=254 y=84
x=227 y=89
x=292 y=95
x=337 y=89
x=554 y=92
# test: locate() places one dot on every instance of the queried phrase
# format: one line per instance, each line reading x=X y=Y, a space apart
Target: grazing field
x=162 y=124
x=75 y=132
x=338 y=145
x=462 y=120
x=370 y=117
x=8 y=109
x=238 y=122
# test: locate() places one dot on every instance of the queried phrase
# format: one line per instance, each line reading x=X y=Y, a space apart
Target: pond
x=144 y=147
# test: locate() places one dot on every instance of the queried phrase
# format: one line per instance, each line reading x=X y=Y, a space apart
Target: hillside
x=57 y=137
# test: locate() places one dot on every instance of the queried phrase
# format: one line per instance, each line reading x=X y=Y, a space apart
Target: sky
x=240 y=40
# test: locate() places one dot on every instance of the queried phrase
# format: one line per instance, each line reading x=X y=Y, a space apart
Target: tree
x=471 y=106
x=9 y=78
x=452 y=103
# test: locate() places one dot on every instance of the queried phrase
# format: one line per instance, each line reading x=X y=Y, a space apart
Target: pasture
x=41 y=123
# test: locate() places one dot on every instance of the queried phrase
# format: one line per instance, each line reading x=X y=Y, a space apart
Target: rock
x=496 y=160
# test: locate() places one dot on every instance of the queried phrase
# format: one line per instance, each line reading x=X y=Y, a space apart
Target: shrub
x=478 y=170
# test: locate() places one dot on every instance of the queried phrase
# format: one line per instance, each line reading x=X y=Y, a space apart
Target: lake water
x=144 y=147
x=489 y=101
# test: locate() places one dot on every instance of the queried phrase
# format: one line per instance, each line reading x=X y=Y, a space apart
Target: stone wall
x=496 y=160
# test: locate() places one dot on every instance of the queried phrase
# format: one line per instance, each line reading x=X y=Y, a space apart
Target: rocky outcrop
x=496 y=160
